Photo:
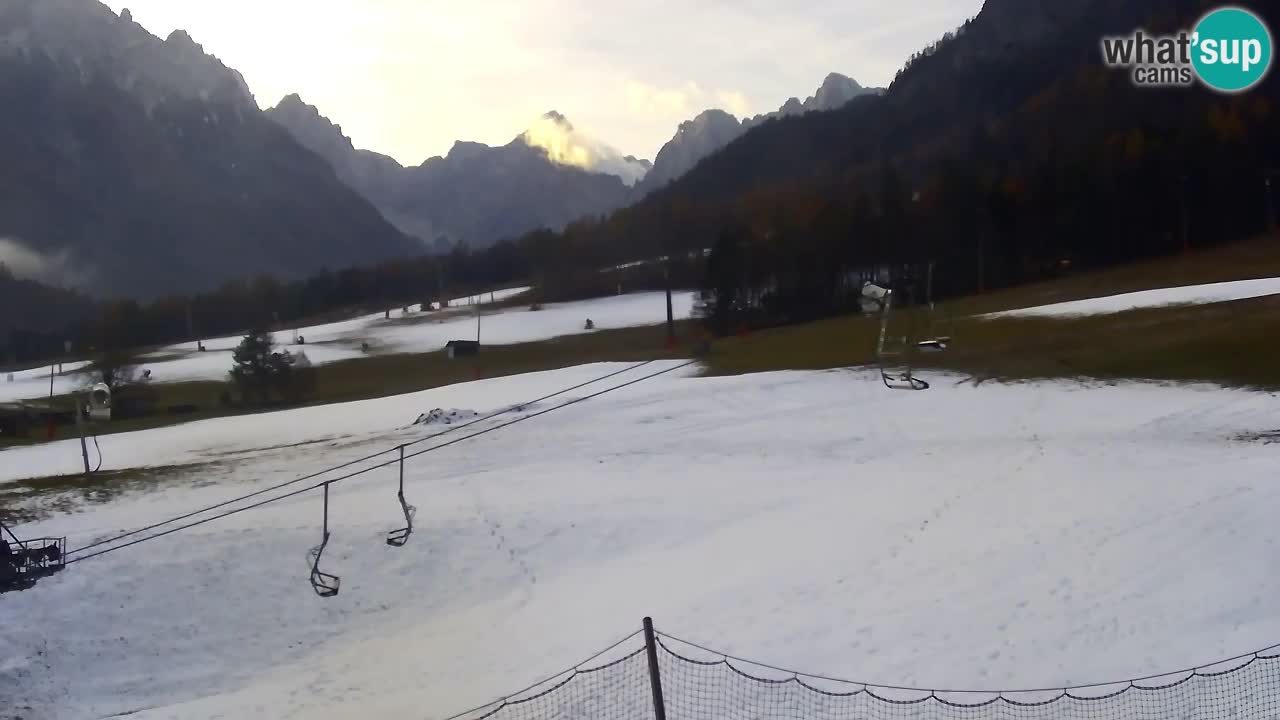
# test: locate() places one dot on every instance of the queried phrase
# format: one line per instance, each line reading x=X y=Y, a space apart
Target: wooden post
x=1186 y=221
x=655 y=677
x=84 y=448
x=671 y=322
x=1271 y=203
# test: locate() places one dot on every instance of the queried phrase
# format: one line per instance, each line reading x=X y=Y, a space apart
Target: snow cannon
x=871 y=291
x=873 y=298
x=100 y=402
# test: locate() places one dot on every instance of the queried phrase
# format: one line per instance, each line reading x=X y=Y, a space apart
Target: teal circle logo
x=1231 y=49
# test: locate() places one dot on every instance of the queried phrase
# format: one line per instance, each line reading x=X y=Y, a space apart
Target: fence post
x=655 y=678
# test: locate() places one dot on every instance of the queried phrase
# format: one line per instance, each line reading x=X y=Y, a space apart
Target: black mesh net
x=616 y=689
x=699 y=684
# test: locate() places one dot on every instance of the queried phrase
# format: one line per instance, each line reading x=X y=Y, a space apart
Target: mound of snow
x=440 y=416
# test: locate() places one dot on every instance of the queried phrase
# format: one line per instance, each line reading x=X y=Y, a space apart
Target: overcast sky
x=408 y=77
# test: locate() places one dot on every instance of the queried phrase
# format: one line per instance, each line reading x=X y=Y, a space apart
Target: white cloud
x=734 y=102
x=567 y=145
x=651 y=100
x=50 y=268
x=682 y=101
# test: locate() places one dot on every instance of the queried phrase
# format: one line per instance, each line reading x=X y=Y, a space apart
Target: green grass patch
x=381 y=375
x=1247 y=260
x=1234 y=343
x=24 y=501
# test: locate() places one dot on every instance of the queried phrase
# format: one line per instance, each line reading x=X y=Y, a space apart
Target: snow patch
x=1186 y=295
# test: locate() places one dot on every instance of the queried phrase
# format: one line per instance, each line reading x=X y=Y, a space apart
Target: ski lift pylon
x=894 y=358
x=937 y=339
x=397 y=538
x=325 y=584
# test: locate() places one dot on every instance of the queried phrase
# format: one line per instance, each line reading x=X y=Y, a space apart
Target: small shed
x=462 y=348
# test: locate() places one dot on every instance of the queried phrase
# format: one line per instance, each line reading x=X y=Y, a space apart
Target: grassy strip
x=1255 y=258
x=1234 y=343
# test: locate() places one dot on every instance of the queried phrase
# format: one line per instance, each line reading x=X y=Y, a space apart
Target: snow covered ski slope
x=1186 y=295
x=413 y=333
x=1033 y=534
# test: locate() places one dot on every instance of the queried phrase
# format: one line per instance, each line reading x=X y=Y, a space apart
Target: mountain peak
x=555 y=137
x=556 y=117
x=713 y=129
x=315 y=131
x=712 y=115
x=713 y=121
x=96 y=39
x=709 y=131
x=182 y=39
x=835 y=91
x=292 y=103
x=179 y=35
x=836 y=79
x=559 y=119
x=466 y=150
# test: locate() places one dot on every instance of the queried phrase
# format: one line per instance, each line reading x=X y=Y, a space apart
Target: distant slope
x=149 y=165
x=481 y=194
x=378 y=178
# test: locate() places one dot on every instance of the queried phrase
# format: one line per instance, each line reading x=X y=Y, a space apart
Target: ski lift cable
x=363 y=471
x=5 y=529
x=343 y=466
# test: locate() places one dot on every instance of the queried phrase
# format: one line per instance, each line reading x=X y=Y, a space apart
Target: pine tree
x=257 y=368
x=725 y=278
